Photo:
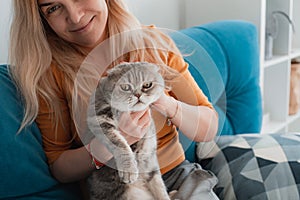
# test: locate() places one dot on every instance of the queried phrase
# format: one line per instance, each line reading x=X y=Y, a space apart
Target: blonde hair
x=34 y=46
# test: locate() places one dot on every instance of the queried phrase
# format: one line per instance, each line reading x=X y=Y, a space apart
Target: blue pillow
x=254 y=166
x=231 y=79
x=23 y=166
x=223 y=58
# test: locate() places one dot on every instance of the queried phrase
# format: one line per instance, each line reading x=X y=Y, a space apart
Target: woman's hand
x=134 y=125
x=198 y=123
x=166 y=105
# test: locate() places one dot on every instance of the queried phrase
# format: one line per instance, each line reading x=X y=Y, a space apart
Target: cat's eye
x=147 y=85
x=125 y=87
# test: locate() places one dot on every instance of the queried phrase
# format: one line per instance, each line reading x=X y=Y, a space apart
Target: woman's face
x=82 y=22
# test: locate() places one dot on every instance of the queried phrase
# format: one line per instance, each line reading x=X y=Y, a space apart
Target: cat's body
x=134 y=172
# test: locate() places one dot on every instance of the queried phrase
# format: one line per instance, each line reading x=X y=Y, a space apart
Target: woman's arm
x=198 y=123
x=72 y=165
x=188 y=106
x=76 y=164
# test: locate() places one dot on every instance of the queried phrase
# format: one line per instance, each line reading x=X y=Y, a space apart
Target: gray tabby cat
x=134 y=172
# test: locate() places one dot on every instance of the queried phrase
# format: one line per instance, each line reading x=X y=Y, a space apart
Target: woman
x=49 y=41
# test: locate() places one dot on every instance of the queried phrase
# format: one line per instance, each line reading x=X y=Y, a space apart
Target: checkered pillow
x=253 y=166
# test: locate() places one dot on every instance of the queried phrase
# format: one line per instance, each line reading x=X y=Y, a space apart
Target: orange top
x=170 y=153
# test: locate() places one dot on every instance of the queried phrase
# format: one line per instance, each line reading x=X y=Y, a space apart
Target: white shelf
x=293 y=118
x=295 y=53
x=276 y=59
x=293 y=126
x=273 y=127
x=277 y=70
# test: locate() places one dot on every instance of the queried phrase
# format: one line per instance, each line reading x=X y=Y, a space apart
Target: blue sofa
x=223 y=58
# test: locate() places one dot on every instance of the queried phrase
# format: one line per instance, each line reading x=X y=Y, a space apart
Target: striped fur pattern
x=134 y=172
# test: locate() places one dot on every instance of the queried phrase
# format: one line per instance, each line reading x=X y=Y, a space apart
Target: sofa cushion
x=203 y=58
x=233 y=46
x=254 y=166
x=23 y=166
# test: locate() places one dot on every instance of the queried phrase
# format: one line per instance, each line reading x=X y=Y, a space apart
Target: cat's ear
x=115 y=70
x=110 y=71
x=119 y=68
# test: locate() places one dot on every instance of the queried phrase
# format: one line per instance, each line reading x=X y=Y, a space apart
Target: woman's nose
x=75 y=13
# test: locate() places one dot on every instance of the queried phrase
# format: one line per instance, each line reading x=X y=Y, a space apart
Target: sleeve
x=57 y=132
x=183 y=86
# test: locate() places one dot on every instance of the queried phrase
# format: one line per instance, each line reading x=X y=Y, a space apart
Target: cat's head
x=133 y=86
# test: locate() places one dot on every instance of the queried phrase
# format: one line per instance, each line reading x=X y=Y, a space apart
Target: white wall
x=200 y=11
x=5 y=10
x=161 y=13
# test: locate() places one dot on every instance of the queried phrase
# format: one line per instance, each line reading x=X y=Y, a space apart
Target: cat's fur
x=134 y=172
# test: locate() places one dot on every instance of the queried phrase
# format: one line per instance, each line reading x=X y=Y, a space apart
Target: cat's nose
x=138 y=95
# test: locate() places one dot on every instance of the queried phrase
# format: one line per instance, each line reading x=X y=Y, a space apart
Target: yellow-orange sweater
x=170 y=152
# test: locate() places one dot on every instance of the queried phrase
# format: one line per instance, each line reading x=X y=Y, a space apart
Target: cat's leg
x=149 y=166
x=127 y=167
x=146 y=152
x=151 y=173
x=124 y=158
x=157 y=187
x=108 y=134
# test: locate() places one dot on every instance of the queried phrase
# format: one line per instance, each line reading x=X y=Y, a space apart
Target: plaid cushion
x=248 y=166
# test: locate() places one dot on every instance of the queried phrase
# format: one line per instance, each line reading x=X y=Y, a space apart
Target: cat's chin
x=139 y=106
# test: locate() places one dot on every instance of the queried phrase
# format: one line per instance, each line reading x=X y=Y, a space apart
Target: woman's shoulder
x=163 y=33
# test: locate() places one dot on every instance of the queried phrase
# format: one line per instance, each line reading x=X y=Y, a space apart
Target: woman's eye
x=125 y=87
x=147 y=85
x=52 y=9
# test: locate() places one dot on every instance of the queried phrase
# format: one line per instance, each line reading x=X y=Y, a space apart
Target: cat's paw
x=172 y=194
x=129 y=175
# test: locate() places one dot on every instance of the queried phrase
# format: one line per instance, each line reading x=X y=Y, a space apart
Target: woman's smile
x=83 y=28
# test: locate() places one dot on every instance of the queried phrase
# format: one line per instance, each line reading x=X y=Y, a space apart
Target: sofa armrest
x=24 y=170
